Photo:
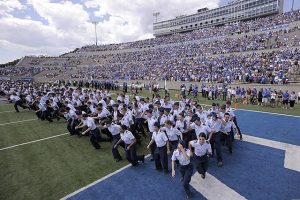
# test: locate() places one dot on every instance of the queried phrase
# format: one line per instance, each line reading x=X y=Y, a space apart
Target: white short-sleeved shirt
x=180 y=157
x=201 y=150
x=200 y=129
x=216 y=125
x=227 y=126
x=114 y=129
x=151 y=122
x=127 y=137
x=181 y=125
x=160 y=138
x=172 y=133
x=14 y=98
x=104 y=113
x=90 y=122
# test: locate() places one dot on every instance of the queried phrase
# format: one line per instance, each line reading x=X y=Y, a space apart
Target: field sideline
x=55 y=167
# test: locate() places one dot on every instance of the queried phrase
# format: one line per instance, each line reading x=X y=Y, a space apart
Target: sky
x=54 y=27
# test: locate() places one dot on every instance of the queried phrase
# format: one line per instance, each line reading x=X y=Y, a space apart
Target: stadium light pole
x=95 y=24
x=156 y=15
x=293 y=5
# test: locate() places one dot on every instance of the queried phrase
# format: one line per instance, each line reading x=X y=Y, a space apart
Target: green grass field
x=53 y=168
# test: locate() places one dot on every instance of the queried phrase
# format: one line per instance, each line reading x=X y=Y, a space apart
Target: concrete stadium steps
x=60 y=75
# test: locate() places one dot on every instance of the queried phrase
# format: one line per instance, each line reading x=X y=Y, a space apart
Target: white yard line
x=292 y=152
x=98 y=181
x=26 y=120
x=214 y=189
x=8 y=111
x=34 y=141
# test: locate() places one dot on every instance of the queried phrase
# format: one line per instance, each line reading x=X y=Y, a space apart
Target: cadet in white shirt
x=199 y=128
x=17 y=102
x=151 y=120
x=114 y=130
x=186 y=168
x=130 y=146
x=162 y=148
x=202 y=149
x=215 y=138
x=228 y=131
x=173 y=134
x=95 y=136
x=233 y=117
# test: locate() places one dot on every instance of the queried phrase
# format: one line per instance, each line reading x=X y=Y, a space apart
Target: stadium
x=203 y=105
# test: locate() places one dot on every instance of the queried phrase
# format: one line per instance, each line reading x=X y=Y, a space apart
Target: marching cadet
x=42 y=112
x=233 y=118
x=202 y=150
x=228 y=131
x=55 y=109
x=162 y=148
x=173 y=134
x=215 y=137
x=167 y=116
x=130 y=146
x=198 y=128
x=176 y=111
x=94 y=131
x=114 y=130
x=17 y=101
x=201 y=113
x=151 y=120
x=71 y=117
x=186 y=168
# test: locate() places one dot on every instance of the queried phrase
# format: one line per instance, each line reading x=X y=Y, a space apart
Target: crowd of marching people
x=178 y=130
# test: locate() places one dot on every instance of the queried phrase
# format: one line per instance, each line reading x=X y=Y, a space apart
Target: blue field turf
x=253 y=171
x=269 y=126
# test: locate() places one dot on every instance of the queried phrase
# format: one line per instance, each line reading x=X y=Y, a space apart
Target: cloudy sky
x=53 y=27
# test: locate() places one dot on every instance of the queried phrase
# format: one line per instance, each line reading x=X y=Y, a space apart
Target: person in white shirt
x=17 y=102
x=228 y=130
x=173 y=134
x=186 y=168
x=198 y=128
x=151 y=120
x=130 y=146
x=233 y=117
x=114 y=130
x=94 y=131
x=202 y=149
x=162 y=148
x=215 y=138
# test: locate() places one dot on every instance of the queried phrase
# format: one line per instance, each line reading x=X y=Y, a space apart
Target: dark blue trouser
x=216 y=144
x=95 y=138
x=161 y=158
x=173 y=145
x=152 y=146
x=186 y=173
x=201 y=163
x=114 y=150
x=131 y=155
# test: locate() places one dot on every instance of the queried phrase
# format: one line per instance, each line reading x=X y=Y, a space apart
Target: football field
x=40 y=160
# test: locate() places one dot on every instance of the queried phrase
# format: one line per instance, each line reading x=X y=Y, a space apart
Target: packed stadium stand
x=264 y=50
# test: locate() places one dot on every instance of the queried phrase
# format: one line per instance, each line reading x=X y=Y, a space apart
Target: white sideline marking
x=47 y=138
x=271 y=113
x=292 y=152
x=27 y=120
x=8 y=111
x=213 y=189
x=98 y=181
